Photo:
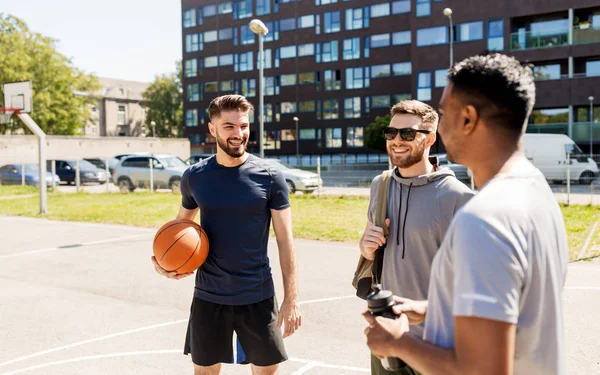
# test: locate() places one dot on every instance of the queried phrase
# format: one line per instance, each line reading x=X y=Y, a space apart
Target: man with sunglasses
x=422 y=200
x=495 y=300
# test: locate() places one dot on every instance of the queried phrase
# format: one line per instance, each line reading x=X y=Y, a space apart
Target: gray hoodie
x=420 y=210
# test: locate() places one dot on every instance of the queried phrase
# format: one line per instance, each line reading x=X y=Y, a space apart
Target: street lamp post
x=259 y=28
x=153 y=124
x=448 y=13
x=297 y=142
x=591 y=99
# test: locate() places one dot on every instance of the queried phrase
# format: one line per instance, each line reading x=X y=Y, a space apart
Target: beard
x=234 y=152
x=415 y=155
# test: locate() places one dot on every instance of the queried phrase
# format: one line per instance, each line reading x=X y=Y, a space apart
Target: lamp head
x=447 y=12
x=591 y=98
x=296 y=118
x=258 y=27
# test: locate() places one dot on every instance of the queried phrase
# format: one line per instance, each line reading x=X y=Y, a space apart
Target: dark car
x=196 y=158
x=101 y=163
x=11 y=174
x=88 y=172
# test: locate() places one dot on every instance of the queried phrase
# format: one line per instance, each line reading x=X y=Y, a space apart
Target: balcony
x=521 y=41
x=585 y=33
x=549 y=129
x=581 y=132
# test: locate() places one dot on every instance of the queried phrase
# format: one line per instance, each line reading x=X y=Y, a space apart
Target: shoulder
x=450 y=186
x=258 y=165
x=201 y=166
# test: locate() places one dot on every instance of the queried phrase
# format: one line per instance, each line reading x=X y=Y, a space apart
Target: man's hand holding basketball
x=372 y=239
x=165 y=273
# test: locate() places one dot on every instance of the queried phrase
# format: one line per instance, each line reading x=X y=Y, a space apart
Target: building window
x=267 y=59
x=191 y=117
x=467 y=32
x=325 y=2
x=332 y=22
x=424 y=86
x=495 y=35
x=242 y=9
x=226 y=34
x=357 y=18
x=355 y=136
x=212 y=86
x=226 y=85
x=329 y=109
x=211 y=61
x=288 y=79
x=397 y=98
x=287 y=52
x=333 y=80
x=379 y=71
x=273 y=31
x=210 y=36
x=423 y=8
x=304 y=78
x=357 y=78
x=246 y=87
x=122 y=115
x=380 y=101
x=352 y=107
x=287 y=24
x=592 y=68
x=380 y=10
x=263 y=7
x=401 y=37
x=546 y=72
x=306 y=106
x=308 y=134
x=209 y=10
x=380 y=40
x=225 y=8
x=193 y=42
x=272 y=140
x=193 y=92
x=402 y=69
x=306 y=21
x=190 y=68
x=327 y=51
x=306 y=49
x=246 y=35
x=226 y=60
x=432 y=36
x=402 y=6
x=243 y=62
x=189 y=18
x=271 y=86
x=333 y=137
x=351 y=49
x=441 y=78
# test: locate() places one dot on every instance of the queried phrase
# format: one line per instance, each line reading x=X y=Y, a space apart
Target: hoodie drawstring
x=399 y=218
x=405 y=215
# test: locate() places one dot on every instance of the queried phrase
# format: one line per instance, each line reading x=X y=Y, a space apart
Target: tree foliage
x=374 y=134
x=163 y=100
x=61 y=92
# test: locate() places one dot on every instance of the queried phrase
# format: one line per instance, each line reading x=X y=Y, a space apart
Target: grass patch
x=9 y=190
x=326 y=218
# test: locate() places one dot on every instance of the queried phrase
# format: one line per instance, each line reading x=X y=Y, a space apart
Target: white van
x=548 y=152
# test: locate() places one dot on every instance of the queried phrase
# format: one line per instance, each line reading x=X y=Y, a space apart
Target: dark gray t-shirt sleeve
x=279 y=193
x=187 y=200
x=488 y=277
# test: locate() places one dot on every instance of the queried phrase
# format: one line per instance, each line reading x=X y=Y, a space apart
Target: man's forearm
x=287 y=260
x=426 y=358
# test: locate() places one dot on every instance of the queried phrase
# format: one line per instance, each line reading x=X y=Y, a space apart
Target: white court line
x=586 y=245
x=582 y=288
x=74 y=246
x=69 y=346
x=303 y=369
x=327 y=365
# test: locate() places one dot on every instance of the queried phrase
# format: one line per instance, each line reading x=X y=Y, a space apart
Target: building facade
x=118 y=110
x=338 y=64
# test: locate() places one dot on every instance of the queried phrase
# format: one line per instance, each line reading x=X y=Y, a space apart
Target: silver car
x=134 y=172
x=297 y=179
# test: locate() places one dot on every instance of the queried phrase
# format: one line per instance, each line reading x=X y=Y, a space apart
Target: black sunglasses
x=406 y=134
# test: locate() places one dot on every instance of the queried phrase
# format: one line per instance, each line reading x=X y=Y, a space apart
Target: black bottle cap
x=380 y=299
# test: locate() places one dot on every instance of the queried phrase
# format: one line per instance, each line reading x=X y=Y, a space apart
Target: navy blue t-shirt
x=235 y=204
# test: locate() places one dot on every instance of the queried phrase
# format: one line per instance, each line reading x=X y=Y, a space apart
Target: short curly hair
x=227 y=103
x=500 y=87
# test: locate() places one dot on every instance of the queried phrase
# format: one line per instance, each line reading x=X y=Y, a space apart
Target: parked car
x=101 y=163
x=88 y=172
x=297 y=179
x=134 y=171
x=11 y=174
x=196 y=158
x=460 y=171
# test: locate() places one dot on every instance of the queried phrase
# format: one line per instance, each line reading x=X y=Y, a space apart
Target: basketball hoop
x=6 y=113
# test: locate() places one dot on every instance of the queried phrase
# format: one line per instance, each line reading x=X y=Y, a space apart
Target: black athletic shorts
x=210 y=333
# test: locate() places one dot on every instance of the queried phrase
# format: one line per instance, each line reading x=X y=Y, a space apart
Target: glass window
x=355 y=136
x=351 y=49
x=226 y=85
x=546 y=72
x=242 y=9
x=423 y=8
x=549 y=116
x=397 y=98
x=193 y=42
x=272 y=139
x=225 y=8
x=402 y=6
x=246 y=35
x=287 y=24
x=211 y=61
x=210 y=36
x=329 y=110
x=193 y=92
x=306 y=21
x=191 y=117
x=380 y=101
x=424 y=86
x=306 y=49
x=263 y=7
x=191 y=68
x=226 y=34
x=550 y=27
x=243 y=62
x=378 y=71
x=352 y=107
x=333 y=80
x=288 y=107
x=308 y=134
x=495 y=35
x=189 y=18
x=380 y=40
x=246 y=87
x=271 y=86
x=273 y=31
x=287 y=52
x=402 y=69
x=357 y=18
x=209 y=10
x=325 y=2
x=592 y=68
x=304 y=78
x=266 y=59
x=401 y=37
x=380 y=10
x=306 y=106
x=441 y=78
x=469 y=31
x=327 y=51
x=432 y=36
x=357 y=78
x=332 y=22
x=288 y=79
x=333 y=137
x=225 y=60
x=211 y=86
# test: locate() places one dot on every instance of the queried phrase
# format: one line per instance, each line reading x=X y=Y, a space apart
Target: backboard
x=18 y=95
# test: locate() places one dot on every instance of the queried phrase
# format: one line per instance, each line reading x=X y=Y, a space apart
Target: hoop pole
x=42 y=151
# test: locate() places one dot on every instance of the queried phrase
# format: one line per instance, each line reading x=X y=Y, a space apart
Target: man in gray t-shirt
x=495 y=298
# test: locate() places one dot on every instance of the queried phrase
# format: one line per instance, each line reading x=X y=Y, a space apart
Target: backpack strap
x=380 y=216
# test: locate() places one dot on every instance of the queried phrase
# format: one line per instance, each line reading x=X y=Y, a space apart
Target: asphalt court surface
x=80 y=298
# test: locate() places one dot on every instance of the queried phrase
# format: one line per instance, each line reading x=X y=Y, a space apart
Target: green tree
x=62 y=94
x=163 y=100
x=374 y=133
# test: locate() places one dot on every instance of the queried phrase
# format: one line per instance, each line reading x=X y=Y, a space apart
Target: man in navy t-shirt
x=238 y=195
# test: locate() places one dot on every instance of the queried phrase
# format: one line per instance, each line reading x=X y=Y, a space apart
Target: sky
x=133 y=40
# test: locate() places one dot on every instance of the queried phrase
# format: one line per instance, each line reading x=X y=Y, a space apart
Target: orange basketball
x=181 y=246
